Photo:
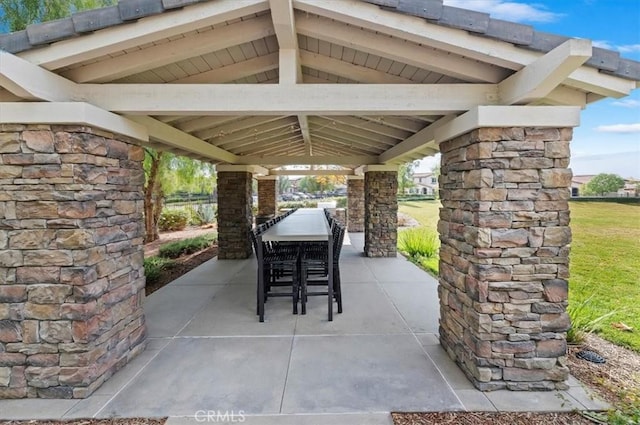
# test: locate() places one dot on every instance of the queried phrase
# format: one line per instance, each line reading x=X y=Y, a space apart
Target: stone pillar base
x=267 y=197
x=235 y=218
x=71 y=259
x=355 y=204
x=381 y=214
x=504 y=258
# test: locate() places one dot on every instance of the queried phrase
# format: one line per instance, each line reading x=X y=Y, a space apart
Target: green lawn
x=426 y=212
x=605 y=262
x=605 y=265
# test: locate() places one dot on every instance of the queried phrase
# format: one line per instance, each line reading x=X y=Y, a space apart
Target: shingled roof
x=434 y=11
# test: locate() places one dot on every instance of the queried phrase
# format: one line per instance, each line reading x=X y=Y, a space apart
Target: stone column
x=504 y=227
x=235 y=217
x=355 y=203
x=71 y=254
x=380 y=211
x=267 y=195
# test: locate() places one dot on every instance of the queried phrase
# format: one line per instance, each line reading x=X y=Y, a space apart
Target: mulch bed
x=488 y=418
x=616 y=381
x=182 y=265
x=113 y=421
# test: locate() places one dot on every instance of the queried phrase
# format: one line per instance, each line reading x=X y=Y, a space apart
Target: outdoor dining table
x=304 y=225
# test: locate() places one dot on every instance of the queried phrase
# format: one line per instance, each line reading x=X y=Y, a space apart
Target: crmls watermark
x=220 y=416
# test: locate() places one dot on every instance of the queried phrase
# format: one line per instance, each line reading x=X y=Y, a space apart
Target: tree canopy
x=17 y=14
x=311 y=184
x=405 y=176
x=602 y=184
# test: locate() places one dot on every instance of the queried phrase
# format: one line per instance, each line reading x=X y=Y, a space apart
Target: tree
x=20 y=13
x=153 y=192
x=283 y=184
x=603 y=184
x=405 y=176
x=436 y=173
x=311 y=184
x=166 y=173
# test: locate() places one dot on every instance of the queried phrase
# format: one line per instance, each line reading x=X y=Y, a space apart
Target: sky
x=608 y=138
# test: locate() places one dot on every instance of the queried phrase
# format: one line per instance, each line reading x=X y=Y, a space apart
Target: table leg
x=330 y=277
x=260 y=255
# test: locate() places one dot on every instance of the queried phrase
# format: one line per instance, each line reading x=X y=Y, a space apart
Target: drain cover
x=590 y=356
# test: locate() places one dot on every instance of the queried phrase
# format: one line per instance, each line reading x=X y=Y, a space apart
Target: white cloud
x=619 y=128
x=627 y=103
x=427 y=164
x=625 y=164
x=508 y=10
x=625 y=48
x=603 y=44
x=629 y=48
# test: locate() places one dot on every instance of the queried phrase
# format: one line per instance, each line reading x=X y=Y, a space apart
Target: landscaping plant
x=172 y=220
x=154 y=266
x=187 y=246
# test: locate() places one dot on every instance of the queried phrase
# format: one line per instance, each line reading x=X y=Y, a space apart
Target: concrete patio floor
x=208 y=352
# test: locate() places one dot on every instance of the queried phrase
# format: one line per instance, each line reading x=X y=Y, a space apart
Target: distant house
x=425 y=183
x=577 y=183
x=630 y=186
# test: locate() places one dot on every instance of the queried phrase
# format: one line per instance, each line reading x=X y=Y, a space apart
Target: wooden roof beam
x=147 y=30
x=290 y=69
x=172 y=51
x=296 y=99
x=536 y=80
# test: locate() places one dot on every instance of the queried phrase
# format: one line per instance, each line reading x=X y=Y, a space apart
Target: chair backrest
x=338 y=240
x=254 y=239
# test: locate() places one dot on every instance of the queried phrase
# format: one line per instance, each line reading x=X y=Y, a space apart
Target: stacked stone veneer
x=339 y=214
x=235 y=218
x=504 y=227
x=267 y=197
x=71 y=274
x=380 y=214
x=355 y=205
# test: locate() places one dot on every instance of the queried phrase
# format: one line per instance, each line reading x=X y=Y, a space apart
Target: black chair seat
x=315 y=261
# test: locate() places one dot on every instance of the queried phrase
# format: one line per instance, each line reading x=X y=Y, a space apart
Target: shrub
x=430 y=264
x=297 y=204
x=204 y=214
x=341 y=202
x=187 y=246
x=419 y=242
x=171 y=220
x=582 y=320
x=154 y=266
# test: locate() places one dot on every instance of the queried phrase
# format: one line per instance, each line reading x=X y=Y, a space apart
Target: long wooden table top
x=305 y=224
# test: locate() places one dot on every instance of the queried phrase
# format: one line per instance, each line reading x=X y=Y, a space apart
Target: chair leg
x=303 y=289
x=295 y=289
x=337 y=289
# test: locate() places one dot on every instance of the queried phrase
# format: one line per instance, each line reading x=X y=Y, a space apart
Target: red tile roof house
x=362 y=84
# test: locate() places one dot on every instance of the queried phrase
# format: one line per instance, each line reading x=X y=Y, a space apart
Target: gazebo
x=253 y=85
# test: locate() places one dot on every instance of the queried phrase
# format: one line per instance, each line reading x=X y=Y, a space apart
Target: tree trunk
x=152 y=202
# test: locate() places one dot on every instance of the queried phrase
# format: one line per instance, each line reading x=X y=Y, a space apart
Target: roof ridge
x=434 y=11
x=79 y=23
x=525 y=36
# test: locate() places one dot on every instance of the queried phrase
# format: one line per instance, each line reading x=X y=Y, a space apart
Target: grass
x=421 y=244
x=605 y=264
x=419 y=241
x=187 y=246
x=605 y=267
x=426 y=212
x=154 y=266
